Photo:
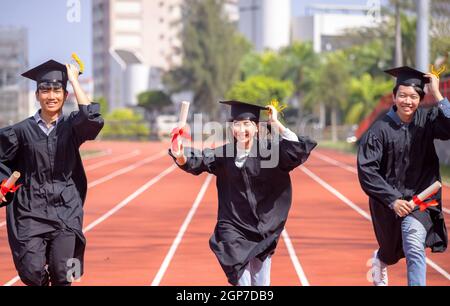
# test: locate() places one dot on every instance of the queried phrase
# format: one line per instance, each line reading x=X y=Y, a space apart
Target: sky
x=51 y=34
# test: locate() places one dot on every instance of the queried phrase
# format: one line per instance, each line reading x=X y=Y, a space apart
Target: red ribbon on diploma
x=5 y=190
x=424 y=205
x=178 y=133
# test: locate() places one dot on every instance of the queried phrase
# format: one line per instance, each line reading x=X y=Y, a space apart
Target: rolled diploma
x=11 y=182
x=427 y=192
x=181 y=124
x=183 y=114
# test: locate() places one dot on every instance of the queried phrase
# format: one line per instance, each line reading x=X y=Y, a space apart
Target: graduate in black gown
x=255 y=192
x=396 y=161
x=45 y=216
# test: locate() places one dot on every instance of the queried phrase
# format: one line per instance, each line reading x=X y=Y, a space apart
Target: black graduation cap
x=408 y=76
x=244 y=111
x=48 y=72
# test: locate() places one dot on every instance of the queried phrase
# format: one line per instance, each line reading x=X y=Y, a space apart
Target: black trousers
x=48 y=259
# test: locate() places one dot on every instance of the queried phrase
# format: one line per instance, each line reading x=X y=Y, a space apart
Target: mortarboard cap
x=408 y=76
x=244 y=111
x=48 y=72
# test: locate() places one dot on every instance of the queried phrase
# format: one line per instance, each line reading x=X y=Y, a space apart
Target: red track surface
x=331 y=240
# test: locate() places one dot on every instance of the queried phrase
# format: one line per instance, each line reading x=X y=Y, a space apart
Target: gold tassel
x=438 y=72
x=79 y=62
x=278 y=106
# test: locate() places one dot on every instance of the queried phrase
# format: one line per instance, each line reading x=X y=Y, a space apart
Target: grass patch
x=341 y=146
x=445 y=173
x=89 y=153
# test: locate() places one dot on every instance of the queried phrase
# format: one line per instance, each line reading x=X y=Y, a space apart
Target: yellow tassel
x=276 y=104
x=438 y=72
x=79 y=62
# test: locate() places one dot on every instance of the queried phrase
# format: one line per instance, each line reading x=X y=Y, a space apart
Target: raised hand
x=72 y=73
x=433 y=86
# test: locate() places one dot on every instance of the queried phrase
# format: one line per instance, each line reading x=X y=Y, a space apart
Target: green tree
x=364 y=94
x=104 y=109
x=300 y=64
x=268 y=63
x=153 y=102
x=261 y=90
x=212 y=51
x=125 y=124
x=330 y=86
x=368 y=58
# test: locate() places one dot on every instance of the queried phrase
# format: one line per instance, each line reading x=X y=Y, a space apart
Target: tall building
x=14 y=94
x=134 y=43
x=147 y=29
x=266 y=23
x=325 y=25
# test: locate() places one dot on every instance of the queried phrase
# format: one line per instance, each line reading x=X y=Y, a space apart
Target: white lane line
x=298 y=267
x=335 y=192
x=354 y=170
x=12 y=282
x=335 y=162
x=362 y=212
x=130 y=198
x=127 y=169
x=113 y=160
x=173 y=248
x=119 y=172
x=119 y=206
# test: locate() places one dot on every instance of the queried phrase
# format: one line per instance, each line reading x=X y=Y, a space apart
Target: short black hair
x=418 y=89
x=63 y=88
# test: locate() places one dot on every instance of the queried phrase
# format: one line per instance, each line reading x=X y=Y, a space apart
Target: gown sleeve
x=9 y=145
x=87 y=122
x=295 y=153
x=372 y=181
x=198 y=161
x=441 y=120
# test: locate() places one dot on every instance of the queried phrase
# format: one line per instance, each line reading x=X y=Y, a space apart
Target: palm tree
x=330 y=86
x=301 y=61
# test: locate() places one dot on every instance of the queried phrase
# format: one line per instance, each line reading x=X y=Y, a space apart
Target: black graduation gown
x=397 y=161
x=254 y=201
x=54 y=182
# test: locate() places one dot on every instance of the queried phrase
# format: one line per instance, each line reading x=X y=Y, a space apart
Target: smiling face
x=244 y=131
x=407 y=101
x=51 y=99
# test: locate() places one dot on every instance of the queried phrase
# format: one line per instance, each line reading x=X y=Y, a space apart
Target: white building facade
x=266 y=23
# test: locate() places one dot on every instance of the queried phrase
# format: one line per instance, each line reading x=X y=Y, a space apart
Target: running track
x=148 y=223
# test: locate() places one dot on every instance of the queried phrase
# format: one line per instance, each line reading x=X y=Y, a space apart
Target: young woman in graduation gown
x=253 y=200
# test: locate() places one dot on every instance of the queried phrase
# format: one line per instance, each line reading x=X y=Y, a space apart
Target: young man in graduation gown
x=45 y=215
x=254 y=200
x=396 y=161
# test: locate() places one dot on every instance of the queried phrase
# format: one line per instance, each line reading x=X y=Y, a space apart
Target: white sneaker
x=379 y=271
